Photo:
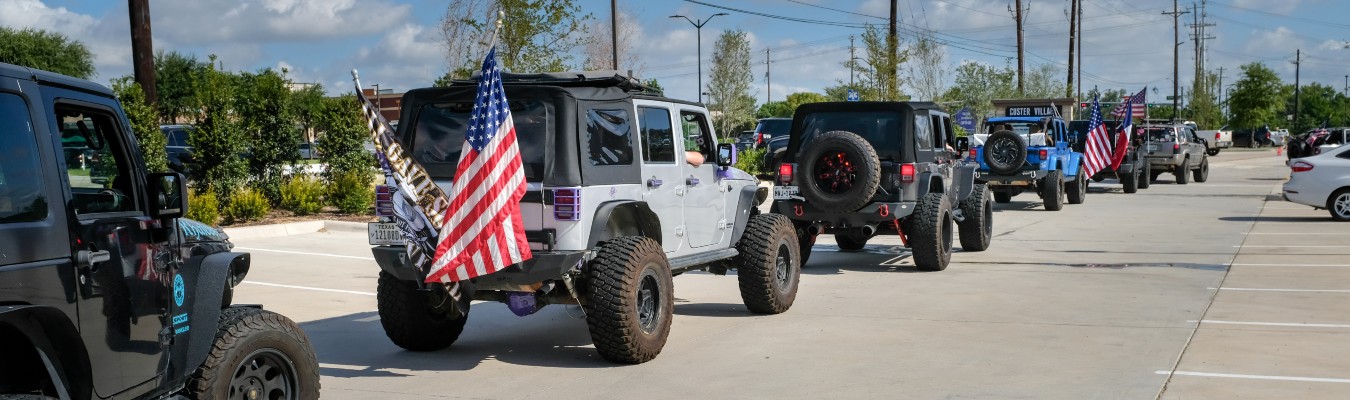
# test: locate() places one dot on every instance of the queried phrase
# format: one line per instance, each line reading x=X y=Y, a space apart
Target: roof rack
x=608 y=78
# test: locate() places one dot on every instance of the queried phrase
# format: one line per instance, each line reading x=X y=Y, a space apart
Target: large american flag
x=1098 y=142
x=1135 y=104
x=483 y=232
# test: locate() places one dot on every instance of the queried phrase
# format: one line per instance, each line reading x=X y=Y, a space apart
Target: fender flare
x=58 y=344
x=623 y=218
x=747 y=206
x=207 y=277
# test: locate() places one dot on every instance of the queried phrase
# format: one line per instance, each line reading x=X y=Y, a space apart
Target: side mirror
x=962 y=144
x=726 y=155
x=168 y=195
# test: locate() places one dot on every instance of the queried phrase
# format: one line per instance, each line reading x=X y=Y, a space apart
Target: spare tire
x=1004 y=152
x=840 y=171
x=1297 y=148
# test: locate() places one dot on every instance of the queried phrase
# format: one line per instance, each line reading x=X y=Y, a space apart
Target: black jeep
x=1132 y=167
x=858 y=169
x=106 y=291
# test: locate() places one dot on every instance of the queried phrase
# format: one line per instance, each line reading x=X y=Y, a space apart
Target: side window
x=609 y=137
x=923 y=133
x=696 y=134
x=21 y=187
x=939 y=132
x=658 y=137
x=101 y=183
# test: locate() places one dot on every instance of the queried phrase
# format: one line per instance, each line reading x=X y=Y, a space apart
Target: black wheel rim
x=782 y=266
x=265 y=374
x=1342 y=205
x=835 y=172
x=988 y=219
x=1003 y=152
x=649 y=304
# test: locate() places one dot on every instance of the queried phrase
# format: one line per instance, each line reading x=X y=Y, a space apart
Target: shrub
x=752 y=161
x=204 y=207
x=247 y=205
x=302 y=195
x=351 y=192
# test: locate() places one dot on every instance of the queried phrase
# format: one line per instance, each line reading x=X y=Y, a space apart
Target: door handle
x=692 y=181
x=87 y=258
x=654 y=183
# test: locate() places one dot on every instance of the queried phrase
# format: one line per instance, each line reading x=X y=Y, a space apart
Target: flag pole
x=496 y=31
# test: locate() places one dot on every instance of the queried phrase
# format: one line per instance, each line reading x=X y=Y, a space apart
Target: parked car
x=745 y=141
x=1178 y=149
x=1279 y=137
x=774 y=152
x=1017 y=154
x=768 y=128
x=1251 y=138
x=178 y=148
x=310 y=151
x=1322 y=181
x=1133 y=172
x=1217 y=139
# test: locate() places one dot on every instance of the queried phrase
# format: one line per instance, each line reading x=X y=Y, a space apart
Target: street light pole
x=698 y=27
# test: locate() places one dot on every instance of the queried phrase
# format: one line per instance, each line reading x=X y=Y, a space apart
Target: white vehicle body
x=1218 y=138
x=1314 y=180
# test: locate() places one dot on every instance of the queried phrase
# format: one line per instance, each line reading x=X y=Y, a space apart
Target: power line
x=1328 y=23
x=793 y=19
x=836 y=9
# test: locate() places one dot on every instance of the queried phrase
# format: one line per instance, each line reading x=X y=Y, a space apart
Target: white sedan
x=1322 y=181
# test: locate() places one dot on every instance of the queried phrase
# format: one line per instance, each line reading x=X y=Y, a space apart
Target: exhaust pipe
x=869 y=230
x=815 y=229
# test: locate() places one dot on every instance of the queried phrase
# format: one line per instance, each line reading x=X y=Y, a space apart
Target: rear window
x=883 y=129
x=774 y=127
x=438 y=135
x=21 y=184
x=1161 y=134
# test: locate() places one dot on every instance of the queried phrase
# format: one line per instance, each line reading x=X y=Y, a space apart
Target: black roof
x=902 y=106
x=571 y=79
x=53 y=79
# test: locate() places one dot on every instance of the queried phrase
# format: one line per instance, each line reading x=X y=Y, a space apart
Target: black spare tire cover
x=839 y=171
x=1004 y=152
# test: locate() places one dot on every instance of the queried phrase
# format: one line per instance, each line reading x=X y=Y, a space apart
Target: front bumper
x=544 y=266
x=1022 y=178
x=871 y=214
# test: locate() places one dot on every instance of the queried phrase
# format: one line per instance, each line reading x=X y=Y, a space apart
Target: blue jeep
x=1018 y=154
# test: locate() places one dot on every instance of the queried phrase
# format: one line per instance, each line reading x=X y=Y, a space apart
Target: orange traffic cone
x=1279 y=150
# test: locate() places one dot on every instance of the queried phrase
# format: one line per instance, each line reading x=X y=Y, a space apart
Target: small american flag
x=1098 y=142
x=483 y=232
x=1134 y=103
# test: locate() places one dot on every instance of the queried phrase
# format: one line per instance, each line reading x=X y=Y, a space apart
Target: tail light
x=784 y=174
x=1216 y=136
x=1176 y=147
x=906 y=173
x=1301 y=166
x=384 y=201
x=973 y=153
x=567 y=204
x=1045 y=154
x=759 y=138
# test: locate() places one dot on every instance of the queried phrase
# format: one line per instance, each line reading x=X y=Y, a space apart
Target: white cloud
x=109 y=42
x=198 y=22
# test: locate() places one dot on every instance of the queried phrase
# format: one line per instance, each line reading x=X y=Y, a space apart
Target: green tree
x=1044 y=81
x=175 y=77
x=926 y=71
x=729 y=88
x=1257 y=98
x=144 y=123
x=307 y=103
x=268 y=121
x=875 y=81
x=654 y=84
x=44 y=50
x=1106 y=96
x=977 y=84
x=1204 y=106
x=1319 y=103
x=797 y=99
x=218 y=140
x=774 y=109
x=536 y=35
x=344 y=137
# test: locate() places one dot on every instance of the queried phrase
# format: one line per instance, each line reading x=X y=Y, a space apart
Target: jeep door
x=663 y=186
x=121 y=258
x=934 y=161
x=704 y=206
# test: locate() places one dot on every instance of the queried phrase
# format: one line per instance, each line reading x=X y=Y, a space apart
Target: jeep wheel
x=418 y=320
x=1147 y=177
x=1098 y=178
x=768 y=267
x=1129 y=182
x=1052 y=191
x=1212 y=152
x=630 y=302
x=851 y=240
x=1078 y=193
x=1004 y=152
x=978 y=226
x=931 y=237
x=1002 y=197
x=257 y=354
x=841 y=171
x=1202 y=174
x=1183 y=172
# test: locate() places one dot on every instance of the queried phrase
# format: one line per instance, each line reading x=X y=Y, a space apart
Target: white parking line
x=1244 y=376
x=1270 y=246
x=1289 y=233
x=305 y=253
x=1286 y=265
x=1287 y=324
x=1285 y=290
x=309 y=288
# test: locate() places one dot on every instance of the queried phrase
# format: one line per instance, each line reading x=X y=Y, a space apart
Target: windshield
x=439 y=135
x=883 y=129
x=1020 y=128
x=1161 y=134
x=774 y=127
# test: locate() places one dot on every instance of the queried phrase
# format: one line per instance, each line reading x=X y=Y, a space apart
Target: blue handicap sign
x=966 y=119
x=853 y=95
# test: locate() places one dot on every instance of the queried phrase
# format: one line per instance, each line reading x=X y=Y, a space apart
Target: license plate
x=384 y=234
x=784 y=192
x=1152 y=147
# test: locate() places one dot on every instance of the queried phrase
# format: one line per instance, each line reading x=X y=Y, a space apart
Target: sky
x=397 y=43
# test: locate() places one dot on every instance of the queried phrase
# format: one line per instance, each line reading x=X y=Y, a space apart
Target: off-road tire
x=1295 y=149
x=259 y=347
x=1129 y=182
x=1098 y=178
x=1002 y=197
x=1202 y=174
x=865 y=181
x=418 y=320
x=1212 y=152
x=1078 y=194
x=1004 y=152
x=25 y=397
x=1147 y=177
x=1183 y=172
x=931 y=238
x=1052 y=191
x=623 y=269
x=1338 y=204
x=768 y=267
x=977 y=229
x=851 y=240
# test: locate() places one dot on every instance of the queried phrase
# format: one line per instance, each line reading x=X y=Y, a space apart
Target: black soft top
x=904 y=108
x=54 y=79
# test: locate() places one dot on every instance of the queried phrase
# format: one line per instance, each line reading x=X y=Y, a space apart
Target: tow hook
x=958 y=215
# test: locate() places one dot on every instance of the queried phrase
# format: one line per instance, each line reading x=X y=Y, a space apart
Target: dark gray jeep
x=107 y=292
x=859 y=169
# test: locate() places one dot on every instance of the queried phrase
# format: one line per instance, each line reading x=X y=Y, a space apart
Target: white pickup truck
x=1218 y=139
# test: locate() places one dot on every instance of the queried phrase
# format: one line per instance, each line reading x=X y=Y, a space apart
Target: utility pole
x=614 y=31
x=1298 y=64
x=698 y=27
x=1080 y=49
x=1176 y=53
x=1017 y=16
x=893 y=47
x=142 y=48
x=768 y=83
x=1073 y=30
x=1220 y=95
x=1198 y=38
x=851 y=64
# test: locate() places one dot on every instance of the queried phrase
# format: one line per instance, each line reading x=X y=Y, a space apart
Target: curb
x=294 y=228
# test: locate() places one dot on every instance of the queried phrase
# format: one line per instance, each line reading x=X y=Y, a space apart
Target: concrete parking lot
x=1206 y=290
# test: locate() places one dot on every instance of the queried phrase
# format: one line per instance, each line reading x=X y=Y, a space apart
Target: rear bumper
x=1022 y=178
x=871 y=214
x=1170 y=160
x=544 y=266
x=1223 y=145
